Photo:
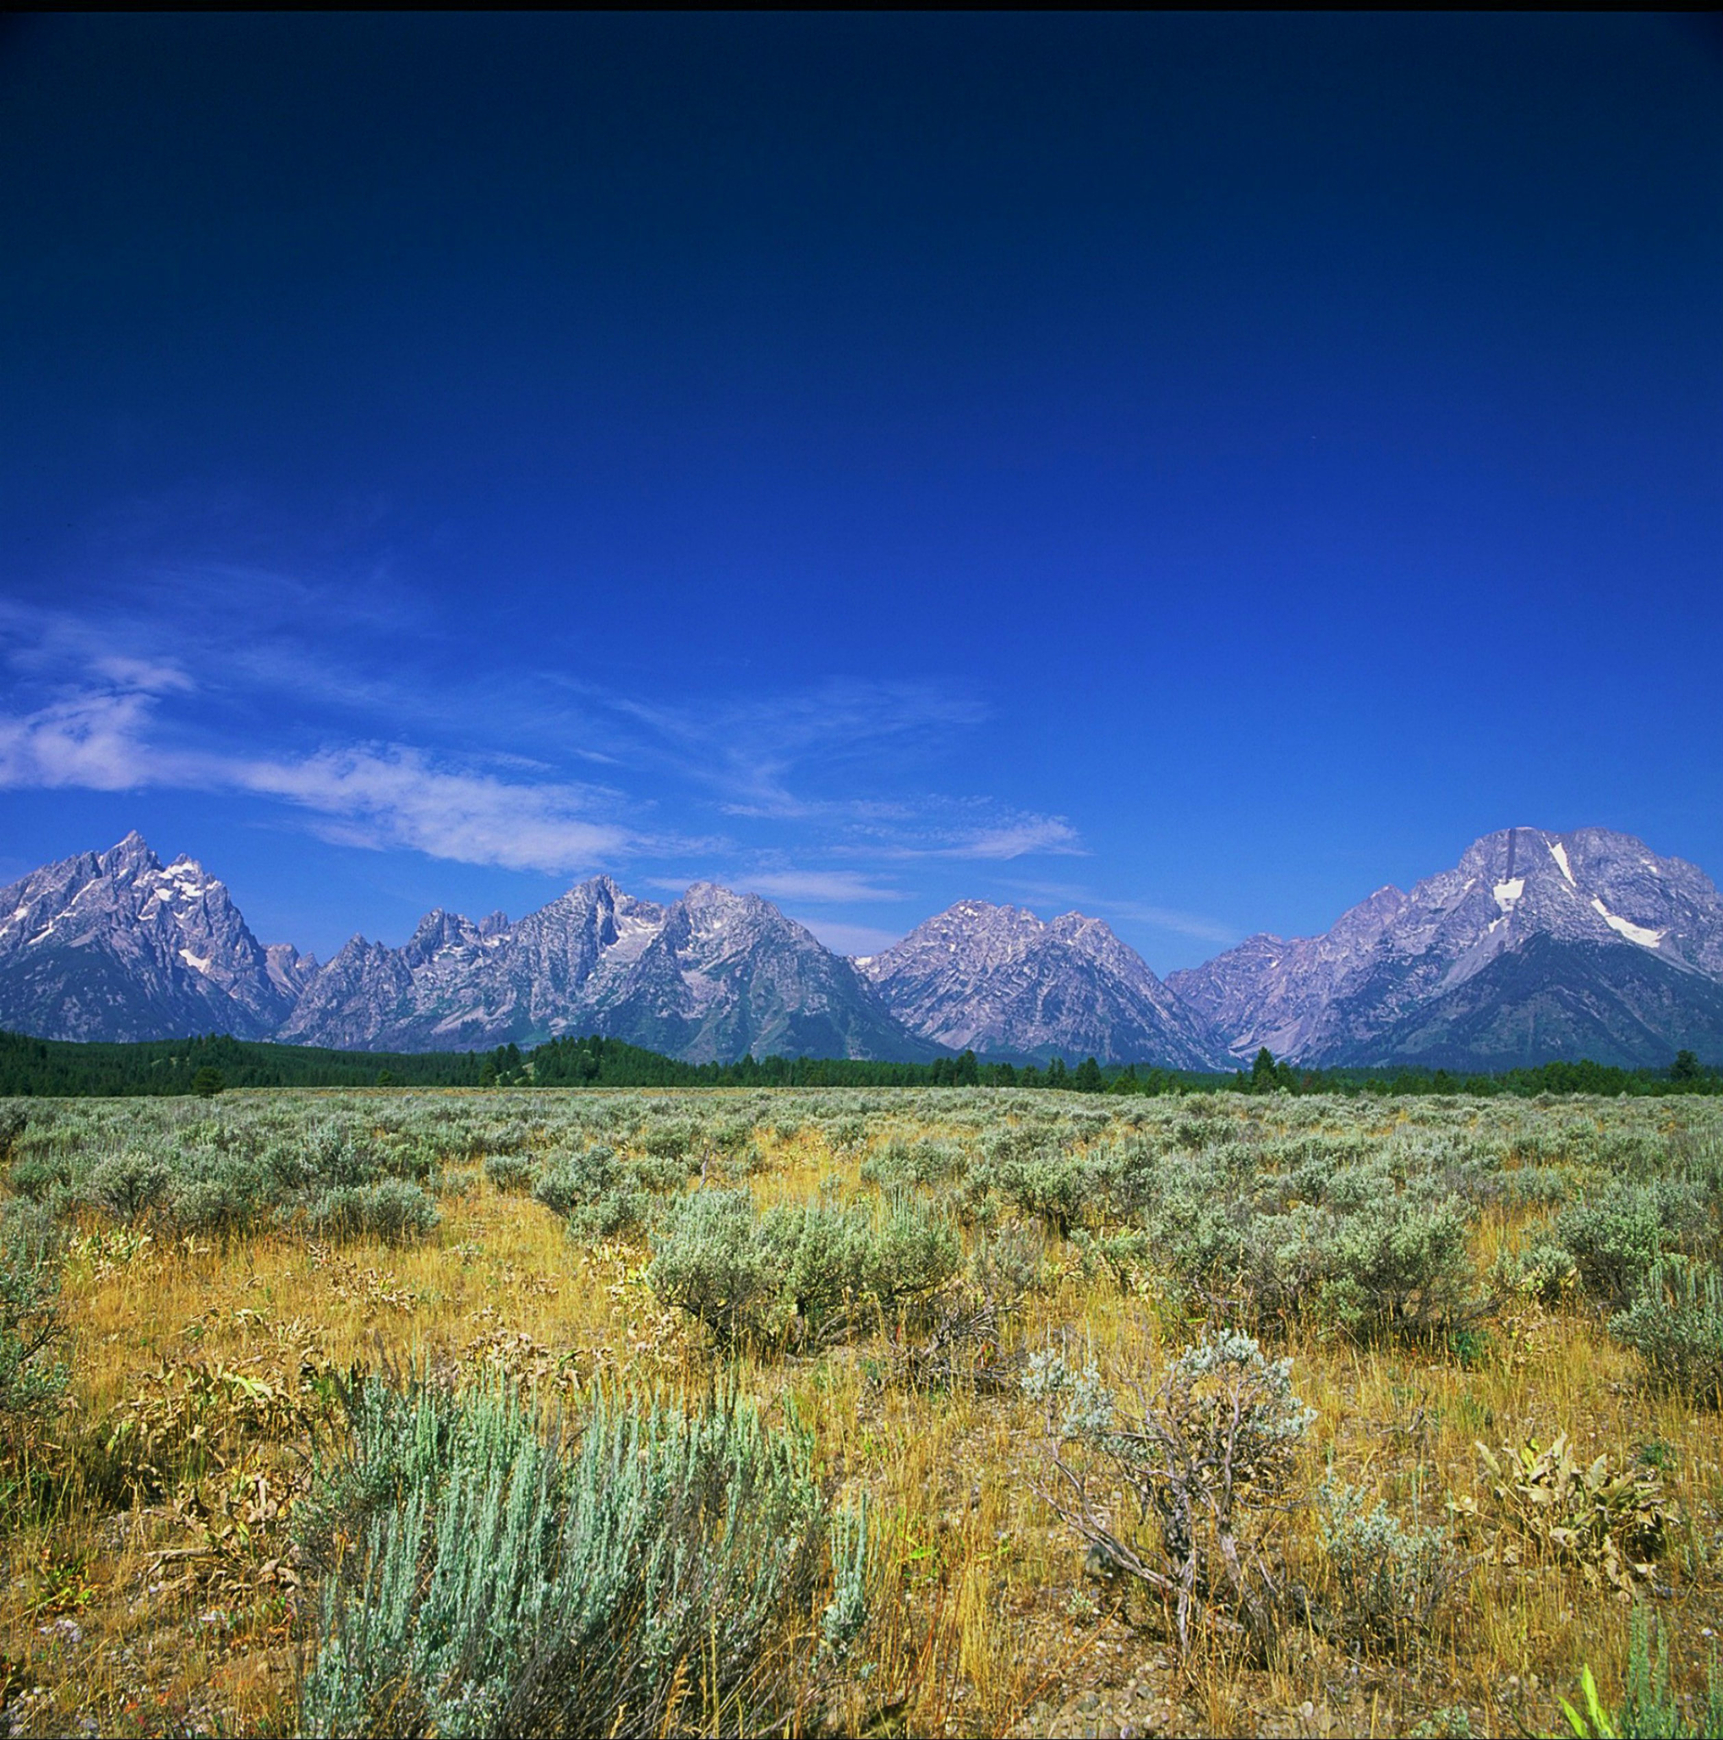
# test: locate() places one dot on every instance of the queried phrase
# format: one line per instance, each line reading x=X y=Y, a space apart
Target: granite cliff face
x=996 y=980
x=711 y=976
x=113 y=945
x=1534 y=946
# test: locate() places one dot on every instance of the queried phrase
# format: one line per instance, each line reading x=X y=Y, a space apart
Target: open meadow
x=941 y=1411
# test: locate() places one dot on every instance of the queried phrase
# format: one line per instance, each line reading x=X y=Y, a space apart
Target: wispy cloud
x=391 y=795
x=974 y=828
x=374 y=795
x=92 y=740
x=1182 y=923
x=338 y=702
x=823 y=885
x=753 y=754
x=1017 y=838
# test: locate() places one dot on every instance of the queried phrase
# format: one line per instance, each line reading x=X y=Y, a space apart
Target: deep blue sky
x=1194 y=469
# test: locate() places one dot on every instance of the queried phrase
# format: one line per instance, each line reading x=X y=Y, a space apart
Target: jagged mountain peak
x=1535 y=944
x=715 y=899
x=711 y=975
x=997 y=979
x=130 y=853
x=439 y=931
x=116 y=945
x=1374 y=986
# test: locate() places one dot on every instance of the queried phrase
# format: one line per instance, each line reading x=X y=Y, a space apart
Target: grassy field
x=879 y=1281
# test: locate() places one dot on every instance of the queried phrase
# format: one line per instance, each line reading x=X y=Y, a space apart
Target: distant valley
x=1534 y=947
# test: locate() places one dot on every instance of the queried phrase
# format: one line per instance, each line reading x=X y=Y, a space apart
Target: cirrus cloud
x=373 y=795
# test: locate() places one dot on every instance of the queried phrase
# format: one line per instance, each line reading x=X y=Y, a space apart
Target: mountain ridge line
x=1535 y=946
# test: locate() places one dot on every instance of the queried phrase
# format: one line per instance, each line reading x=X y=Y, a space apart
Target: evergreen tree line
x=215 y=1061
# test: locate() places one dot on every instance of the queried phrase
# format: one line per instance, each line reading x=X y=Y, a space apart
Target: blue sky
x=1195 y=470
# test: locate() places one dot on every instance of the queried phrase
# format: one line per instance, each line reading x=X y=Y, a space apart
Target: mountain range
x=1535 y=946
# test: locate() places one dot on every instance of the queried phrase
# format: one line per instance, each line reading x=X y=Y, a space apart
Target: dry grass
x=119 y=1615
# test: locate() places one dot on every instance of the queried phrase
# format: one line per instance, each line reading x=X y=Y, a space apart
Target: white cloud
x=91 y=741
x=142 y=676
x=373 y=795
x=1016 y=839
x=1068 y=895
x=982 y=833
x=833 y=885
x=748 y=752
x=410 y=761
x=391 y=795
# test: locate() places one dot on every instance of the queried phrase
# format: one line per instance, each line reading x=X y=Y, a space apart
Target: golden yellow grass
x=987 y=1621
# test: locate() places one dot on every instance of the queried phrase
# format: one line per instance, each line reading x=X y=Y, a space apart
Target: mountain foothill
x=1535 y=947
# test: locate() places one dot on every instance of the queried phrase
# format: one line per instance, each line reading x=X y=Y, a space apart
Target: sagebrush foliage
x=1675 y=1324
x=453 y=1549
x=1207 y=1456
x=805 y=1270
x=651 y=1569
x=32 y=1324
x=1391 y=1579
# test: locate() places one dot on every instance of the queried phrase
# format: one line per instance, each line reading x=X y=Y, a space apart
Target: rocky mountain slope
x=1535 y=946
x=996 y=980
x=113 y=945
x=711 y=976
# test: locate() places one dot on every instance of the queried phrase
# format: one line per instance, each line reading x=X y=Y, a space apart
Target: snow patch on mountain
x=112 y=945
x=1535 y=944
x=1636 y=933
x=1381 y=977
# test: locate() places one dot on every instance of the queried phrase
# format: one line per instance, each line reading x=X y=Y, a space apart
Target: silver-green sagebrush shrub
x=1006 y=1264
x=601 y=1194
x=811 y=1270
x=1675 y=1325
x=128 y=1183
x=1544 y=1271
x=513 y=1173
x=1617 y=1239
x=569 y=1180
x=391 y=1209
x=1208 y=1461
x=670 y=1141
x=901 y=1163
x=1391 y=1580
x=40 y=1176
x=1353 y=1245
x=914 y=1250
x=1039 y=1176
x=660 y=1575
x=1401 y=1266
x=709 y=1262
x=31 y=1324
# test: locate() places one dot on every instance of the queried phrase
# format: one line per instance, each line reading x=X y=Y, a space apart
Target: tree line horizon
x=210 y=1063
